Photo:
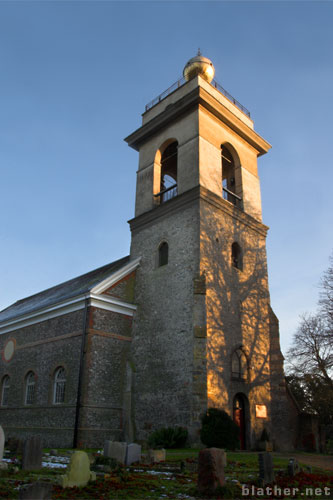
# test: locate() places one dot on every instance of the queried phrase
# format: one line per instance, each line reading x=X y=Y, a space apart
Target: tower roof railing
x=182 y=81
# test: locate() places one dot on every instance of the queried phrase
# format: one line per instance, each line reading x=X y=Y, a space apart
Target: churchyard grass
x=150 y=481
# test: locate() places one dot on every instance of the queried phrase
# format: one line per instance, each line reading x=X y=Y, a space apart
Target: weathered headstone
x=32 y=453
x=116 y=450
x=2 y=442
x=133 y=453
x=293 y=467
x=266 y=471
x=156 y=456
x=224 y=458
x=15 y=445
x=36 y=491
x=210 y=470
x=78 y=472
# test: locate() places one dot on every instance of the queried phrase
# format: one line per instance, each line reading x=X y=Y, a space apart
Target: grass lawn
x=174 y=479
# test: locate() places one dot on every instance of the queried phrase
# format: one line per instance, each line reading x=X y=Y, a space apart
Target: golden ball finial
x=199 y=65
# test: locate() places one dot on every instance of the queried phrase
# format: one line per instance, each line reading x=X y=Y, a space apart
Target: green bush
x=218 y=430
x=264 y=435
x=168 y=437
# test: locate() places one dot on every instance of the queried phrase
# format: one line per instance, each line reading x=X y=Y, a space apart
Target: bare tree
x=311 y=353
x=326 y=297
x=310 y=358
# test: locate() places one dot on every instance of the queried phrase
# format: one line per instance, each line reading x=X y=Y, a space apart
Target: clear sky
x=74 y=80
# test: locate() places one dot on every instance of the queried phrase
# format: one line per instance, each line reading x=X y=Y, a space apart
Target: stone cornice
x=193 y=100
x=233 y=211
x=189 y=197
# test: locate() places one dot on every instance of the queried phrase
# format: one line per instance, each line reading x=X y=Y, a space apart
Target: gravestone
x=78 y=471
x=133 y=453
x=156 y=456
x=32 y=453
x=210 y=470
x=36 y=491
x=224 y=458
x=293 y=467
x=2 y=442
x=266 y=472
x=116 y=450
x=15 y=445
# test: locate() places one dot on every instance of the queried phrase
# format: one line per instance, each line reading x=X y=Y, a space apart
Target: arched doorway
x=240 y=417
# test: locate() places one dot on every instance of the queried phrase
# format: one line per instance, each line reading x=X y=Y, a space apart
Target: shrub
x=168 y=437
x=264 y=435
x=218 y=430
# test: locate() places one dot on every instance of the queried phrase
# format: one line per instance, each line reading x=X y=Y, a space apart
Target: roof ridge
x=98 y=269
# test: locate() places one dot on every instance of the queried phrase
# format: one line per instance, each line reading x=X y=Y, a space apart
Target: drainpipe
x=81 y=368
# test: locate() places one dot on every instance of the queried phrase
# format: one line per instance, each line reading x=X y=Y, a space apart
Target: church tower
x=204 y=334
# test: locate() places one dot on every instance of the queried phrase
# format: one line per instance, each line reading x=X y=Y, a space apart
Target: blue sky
x=74 y=80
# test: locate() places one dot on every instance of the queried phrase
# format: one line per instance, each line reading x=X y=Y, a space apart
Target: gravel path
x=323 y=461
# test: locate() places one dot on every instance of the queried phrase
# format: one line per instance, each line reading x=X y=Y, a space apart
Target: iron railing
x=182 y=81
x=159 y=98
x=232 y=99
x=167 y=194
x=232 y=198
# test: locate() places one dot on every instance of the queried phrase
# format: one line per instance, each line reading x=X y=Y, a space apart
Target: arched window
x=239 y=365
x=168 y=188
x=163 y=254
x=59 y=386
x=5 y=390
x=30 y=382
x=228 y=177
x=237 y=256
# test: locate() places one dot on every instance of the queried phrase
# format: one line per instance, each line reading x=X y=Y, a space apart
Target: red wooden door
x=240 y=421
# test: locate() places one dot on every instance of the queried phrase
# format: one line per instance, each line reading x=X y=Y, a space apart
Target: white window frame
x=59 y=386
x=30 y=384
x=5 y=390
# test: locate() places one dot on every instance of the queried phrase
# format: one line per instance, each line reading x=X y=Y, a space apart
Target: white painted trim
x=117 y=276
x=107 y=305
x=75 y=304
x=43 y=314
x=113 y=300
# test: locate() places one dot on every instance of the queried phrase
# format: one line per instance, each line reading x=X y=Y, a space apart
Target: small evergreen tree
x=219 y=430
x=168 y=437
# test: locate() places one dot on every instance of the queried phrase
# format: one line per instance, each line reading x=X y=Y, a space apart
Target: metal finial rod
x=199 y=52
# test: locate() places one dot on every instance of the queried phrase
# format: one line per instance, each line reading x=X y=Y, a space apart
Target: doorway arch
x=240 y=417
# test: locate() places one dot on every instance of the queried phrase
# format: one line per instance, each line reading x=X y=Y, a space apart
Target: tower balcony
x=233 y=198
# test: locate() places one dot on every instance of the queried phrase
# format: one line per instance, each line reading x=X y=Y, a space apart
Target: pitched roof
x=59 y=293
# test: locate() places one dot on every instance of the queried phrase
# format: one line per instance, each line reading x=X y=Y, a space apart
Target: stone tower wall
x=162 y=347
x=237 y=309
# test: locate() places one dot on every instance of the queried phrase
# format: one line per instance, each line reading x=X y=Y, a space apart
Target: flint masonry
x=181 y=324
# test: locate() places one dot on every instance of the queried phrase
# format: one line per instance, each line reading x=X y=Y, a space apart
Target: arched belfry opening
x=229 y=183
x=168 y=185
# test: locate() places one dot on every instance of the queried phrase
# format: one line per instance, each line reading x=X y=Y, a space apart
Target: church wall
x=285 y=413
x=237 y=310
x=162 y=348
x=41 y=349
x=107 y=351
x=123 y=289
